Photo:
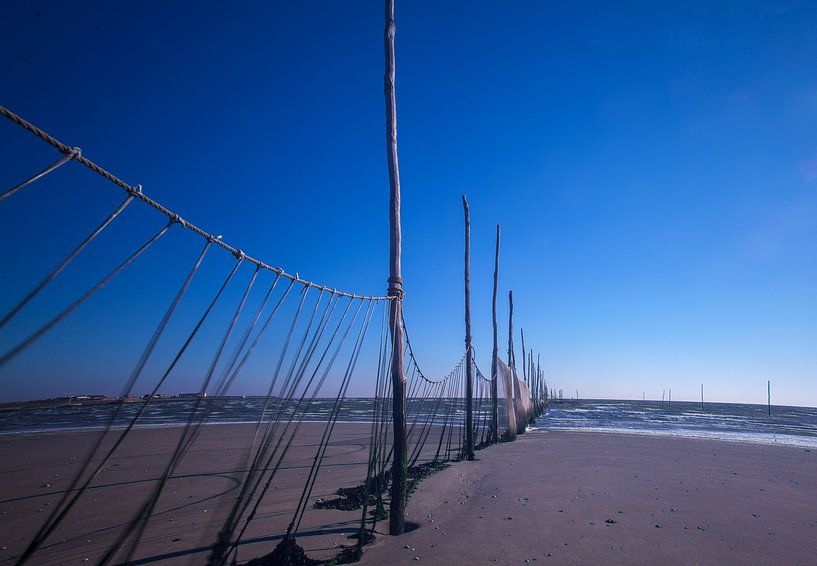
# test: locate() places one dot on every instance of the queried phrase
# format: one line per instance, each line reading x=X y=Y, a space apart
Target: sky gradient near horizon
x=653 y=166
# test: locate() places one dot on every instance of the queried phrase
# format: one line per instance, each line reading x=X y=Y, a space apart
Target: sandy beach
x=35 y=468
x=578 y=498
x=594 y=498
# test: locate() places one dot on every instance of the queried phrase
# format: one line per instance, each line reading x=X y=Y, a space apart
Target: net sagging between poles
x=514 y=407
x=214 y=323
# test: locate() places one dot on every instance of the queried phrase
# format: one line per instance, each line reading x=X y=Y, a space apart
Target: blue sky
x=653 y=166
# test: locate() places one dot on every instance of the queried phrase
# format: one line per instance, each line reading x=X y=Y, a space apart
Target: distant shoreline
x=105 y=400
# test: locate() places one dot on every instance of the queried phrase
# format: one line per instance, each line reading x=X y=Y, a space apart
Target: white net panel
x=514 y=404
x=504 y=394
x=523 y=405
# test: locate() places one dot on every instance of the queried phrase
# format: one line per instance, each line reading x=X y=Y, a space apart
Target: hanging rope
x=136 y=192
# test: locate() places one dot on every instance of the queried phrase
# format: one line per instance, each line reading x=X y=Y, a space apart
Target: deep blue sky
x=653 y=166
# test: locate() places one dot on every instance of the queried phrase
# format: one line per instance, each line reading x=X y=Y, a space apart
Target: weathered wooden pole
x=494 y=436
x=534 y=379
x=517 y=392
x=511 y=356
x=524 y=357
x=399 y=471
x=769 y=395
x=469 y=362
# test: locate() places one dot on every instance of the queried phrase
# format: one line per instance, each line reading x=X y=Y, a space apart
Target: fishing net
x=505 y=405
x=514 y=404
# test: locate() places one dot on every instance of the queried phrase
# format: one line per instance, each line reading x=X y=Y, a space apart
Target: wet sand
x=590 y=498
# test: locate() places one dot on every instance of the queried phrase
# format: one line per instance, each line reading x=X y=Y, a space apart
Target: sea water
x=726 y=421
x=796 y=426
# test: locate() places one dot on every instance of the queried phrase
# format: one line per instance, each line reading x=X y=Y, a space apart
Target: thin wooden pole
x=702 y=397
x=517 y=393
x=524 y=358
x=769 y=395
x=534 y=379
x=495 y=356
x=511 y=357
x=399 y=470
x=469 y=363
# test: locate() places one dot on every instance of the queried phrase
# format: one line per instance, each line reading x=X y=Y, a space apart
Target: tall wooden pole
x=702 y=397
x=524 y=358
x=517 y=393
x=769 y=395
x=494 y=367
x=511 y=363
x=399 y=472
x=511 y=357
x=469 y=363
x=537 y=382
x=534 y=379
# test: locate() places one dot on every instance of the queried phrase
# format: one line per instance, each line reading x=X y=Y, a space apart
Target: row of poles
x=669 y=401
x=532 y=372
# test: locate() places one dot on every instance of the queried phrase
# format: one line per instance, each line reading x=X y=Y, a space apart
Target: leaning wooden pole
x=399 y=471
x=469 y=362
x=495 y=355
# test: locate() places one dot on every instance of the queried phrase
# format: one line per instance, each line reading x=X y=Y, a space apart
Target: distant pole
x=663 y=394
x=511 y=357
x=494 y=366
x=669 y=401
x=533 y=375
x=397 y=508
x=769 y=395
x=469 y=363
x=702 y=397
x=643 y=397
x=524 y=358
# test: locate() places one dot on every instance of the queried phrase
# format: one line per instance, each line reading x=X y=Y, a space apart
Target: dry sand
x=590 y=498
x=36 y=468
x=547 y=497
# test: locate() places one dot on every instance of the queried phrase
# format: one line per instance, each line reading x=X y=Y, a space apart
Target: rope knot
x=238 y=254
x=75 y=152
x=137 y=189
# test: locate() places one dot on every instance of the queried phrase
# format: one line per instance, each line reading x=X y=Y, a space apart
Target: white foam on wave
x=726 y=436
